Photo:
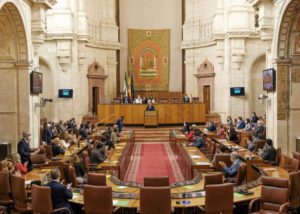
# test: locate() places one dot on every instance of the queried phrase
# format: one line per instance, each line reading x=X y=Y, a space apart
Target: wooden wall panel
x=167 y=113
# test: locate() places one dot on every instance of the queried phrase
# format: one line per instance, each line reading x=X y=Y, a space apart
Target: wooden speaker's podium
x=151 y=119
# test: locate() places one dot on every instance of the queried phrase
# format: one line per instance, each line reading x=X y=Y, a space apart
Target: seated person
x=248 y=126
x=138 y=100
x=240 y=124
x=47 y=133
x=79 y=171
x=221 y=151
x=211 y=127
x=60 y=194
x=98 y=154
x=221 y=132
x=269 y=152
x=61 y=127
x=150 y=107
x=232 y=136
x=259 y=130
x=186 y=99
x=82 y=131
x=114 y=135
x=151 y=99
x=229 y=121
x=231 y=172
x=56 y=148
x=186 y=128
x=190 y=135
x=20 y=168
x=199 y=141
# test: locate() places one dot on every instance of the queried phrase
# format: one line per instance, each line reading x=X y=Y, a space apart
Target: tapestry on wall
x=149 y=59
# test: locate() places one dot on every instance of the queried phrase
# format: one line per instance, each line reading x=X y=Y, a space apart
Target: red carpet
x=153 y=160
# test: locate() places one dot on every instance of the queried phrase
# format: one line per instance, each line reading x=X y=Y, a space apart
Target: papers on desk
x=28 y=182
x=75 y=195
x=121 y=187
x=269 y=169
x=202 y=163
x=120 y=203
x=189 y=187
x=241 y=150
x=195 y=156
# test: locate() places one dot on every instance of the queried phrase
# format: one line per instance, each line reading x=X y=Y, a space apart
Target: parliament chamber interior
x=151 y=107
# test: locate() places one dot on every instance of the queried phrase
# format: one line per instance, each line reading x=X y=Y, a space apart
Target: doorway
x=206 y=98
x=95 y=100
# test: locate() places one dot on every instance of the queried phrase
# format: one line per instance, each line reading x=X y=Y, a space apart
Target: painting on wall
x=149 y=54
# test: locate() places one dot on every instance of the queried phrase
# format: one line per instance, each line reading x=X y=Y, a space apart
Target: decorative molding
x=238 y=52
x=64 y=53
x=96 y=71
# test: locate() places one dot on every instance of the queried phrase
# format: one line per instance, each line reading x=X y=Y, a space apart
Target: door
x=95 y=100
x=206 y=97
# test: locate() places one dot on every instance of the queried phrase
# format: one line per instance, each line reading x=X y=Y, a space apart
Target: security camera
x=43 y=102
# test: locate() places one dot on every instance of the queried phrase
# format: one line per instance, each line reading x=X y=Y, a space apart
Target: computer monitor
x=237 y=91
x=65 y=93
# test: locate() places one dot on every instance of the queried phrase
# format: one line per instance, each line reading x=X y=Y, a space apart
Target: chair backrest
x=164 y=100
x=72 y=176
x=274 y=193
x=278 y=157
x=212 y=148
x=2 y=164
x=216 y=178
x=244 y=143
x=176 y=100
x=260 y=144
x=49 y=153
x=295 y=189
x=97 y=199
x=295 y=164
x=41 y=194
x=219 y=198
x=18 y=192
x=38 y=158
x=86 y=160
x=245 y=134
x=296 y=155
x=90 y=149
x=156 y=181
x=222 y=157
x=96 y=179
x=4 y=186
x=155 y=200
x=218 y=146
x=241 y=175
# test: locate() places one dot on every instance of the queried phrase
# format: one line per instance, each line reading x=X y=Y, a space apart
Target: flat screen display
x=65 y=93
x=269 y=79
x=237 y=91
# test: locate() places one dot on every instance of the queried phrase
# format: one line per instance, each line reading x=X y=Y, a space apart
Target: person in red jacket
x=19 y=167
x=190 y=135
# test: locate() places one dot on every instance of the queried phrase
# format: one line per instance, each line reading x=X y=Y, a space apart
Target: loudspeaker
x=5 y=150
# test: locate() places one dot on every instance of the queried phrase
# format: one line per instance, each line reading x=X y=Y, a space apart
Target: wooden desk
x=167 y=113
x=119 y=160
x=151 y=118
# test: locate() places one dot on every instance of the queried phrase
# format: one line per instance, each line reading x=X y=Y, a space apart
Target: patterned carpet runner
x=153 y=159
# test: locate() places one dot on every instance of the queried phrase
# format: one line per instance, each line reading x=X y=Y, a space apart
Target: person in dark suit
x=254 y=118
x=150 y=107
x=211 y=127
x=56 y=148
x=60 y=194
x=47 y=134
x=240 y=123
x=186 y=99
x=231 y=172
x=199 y=141
x=269 y=152
x=98 y=154
x=119 y=123
x=24 y=149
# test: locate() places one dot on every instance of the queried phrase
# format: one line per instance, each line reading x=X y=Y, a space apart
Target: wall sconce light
x=263 y=98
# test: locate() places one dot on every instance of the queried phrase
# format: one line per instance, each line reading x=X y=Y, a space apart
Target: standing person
x=25 y=151
x=186 y=99
x=150 y=107
x=47 y=133
x=119 y=123
x=19 y=167
x=60 y=194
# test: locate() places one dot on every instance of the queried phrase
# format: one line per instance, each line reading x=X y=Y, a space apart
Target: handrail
x=109 y=116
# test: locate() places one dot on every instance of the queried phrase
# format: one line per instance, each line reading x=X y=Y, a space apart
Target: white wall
x=154 y=14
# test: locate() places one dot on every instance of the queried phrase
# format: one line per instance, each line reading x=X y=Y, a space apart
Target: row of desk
x=191 y=160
